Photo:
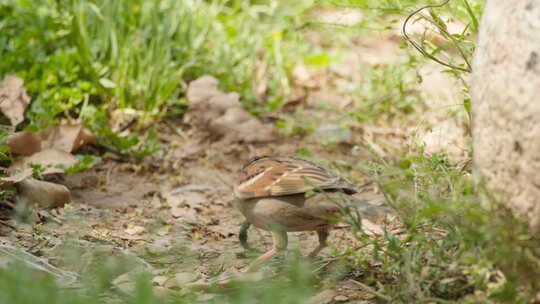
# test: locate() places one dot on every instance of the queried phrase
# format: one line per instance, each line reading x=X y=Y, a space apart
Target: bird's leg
x=323 y=236
x=243 y=235
x=280 y=244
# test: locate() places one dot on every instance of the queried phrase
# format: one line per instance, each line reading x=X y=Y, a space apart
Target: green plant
x=4 y=149
x=449 y=247
x=18 y=279
x=388 y=90
x=439 y=41
x=84 y=58
x=293 y=284
x=84 y=162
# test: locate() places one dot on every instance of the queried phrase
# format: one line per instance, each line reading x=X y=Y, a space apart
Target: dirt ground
x=172 y=213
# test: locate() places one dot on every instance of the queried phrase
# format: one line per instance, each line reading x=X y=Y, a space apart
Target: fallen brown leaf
x=341 y=298
x=67 y=138
x=13 y=99
x=134 y=230
x=324 y=297
x=57 y=142
x=159 y=280
x=202 y=89
x=15 y=178
x=24 y=143
x=222 y=114
x=52 y=160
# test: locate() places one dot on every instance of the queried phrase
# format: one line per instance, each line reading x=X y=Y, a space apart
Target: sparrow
x=286 y=194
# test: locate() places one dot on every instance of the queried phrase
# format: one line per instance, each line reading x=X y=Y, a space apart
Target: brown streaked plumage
x=276 y=176
x=271 y=195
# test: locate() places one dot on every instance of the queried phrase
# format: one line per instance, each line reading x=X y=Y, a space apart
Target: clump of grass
x=82 y=58
x=450 y=247
x=388 y=91
x=295 y=283
x=21 y=285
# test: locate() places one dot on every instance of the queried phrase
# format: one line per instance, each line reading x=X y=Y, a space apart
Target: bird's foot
x=249 y=253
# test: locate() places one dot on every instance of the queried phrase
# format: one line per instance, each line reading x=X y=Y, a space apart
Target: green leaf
x=319 y=60
x=84 y=162
x=107 y=83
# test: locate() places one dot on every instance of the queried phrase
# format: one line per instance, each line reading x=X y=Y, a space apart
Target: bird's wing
x=277 y=176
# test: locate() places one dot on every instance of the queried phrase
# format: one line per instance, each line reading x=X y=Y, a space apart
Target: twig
x=451 y=37
x=7 y=203
x=388 y=199
x=176 y=130
x=372 y=291
x=465 y=165
x=51 y=217
x=129 y=124
x=327 y=262
x=8 y=225
x=38 y=245
x=420 y=49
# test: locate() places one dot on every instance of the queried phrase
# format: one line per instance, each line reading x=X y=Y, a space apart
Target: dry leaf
x=324 y=297
x=134 y=230
x=44 y=194
x=24 y=143
x=13 y=99
x=67 y=138
x=188 y=215
x=15 y=178
x=222 y=114
x=52 y=160
x=56 y=143
x=341 y=298
x=202 y=89
x=122 y=120
x=159 y=280
x=164 y=230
